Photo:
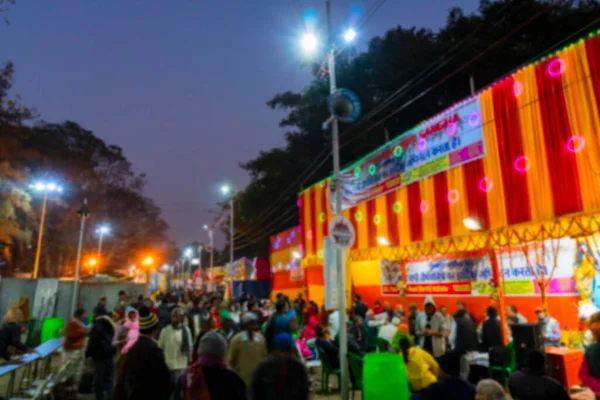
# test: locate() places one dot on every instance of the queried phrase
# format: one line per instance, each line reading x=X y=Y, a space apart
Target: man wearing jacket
x=429 y=330
x=101 y=350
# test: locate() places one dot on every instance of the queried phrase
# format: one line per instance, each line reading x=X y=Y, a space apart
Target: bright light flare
x=103 y=230
x=188 y=252
x=297 y=255
x=148 y=261
x=383 y=241
x=225 y=189
x=350 y=35
x=309 y=42
x=472 y=224
x=93 y=262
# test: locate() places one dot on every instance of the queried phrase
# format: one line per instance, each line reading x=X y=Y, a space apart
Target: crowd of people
x=192 y=344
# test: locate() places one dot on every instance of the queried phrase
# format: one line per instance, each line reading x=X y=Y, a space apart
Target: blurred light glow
x=349 y=35
x=358 y=216
x=372 y=169
x=148 y=261
x=472 y=224
x=51 y=187
x=486 y=184
x=195 y=261
x=93 y=262
x=309 y=42
x=309 y=234
x=453 y=196
x=398 y=150
x=205 y=227
x=517 y=88
x=397 y=207
x=357 y=172
x=377 y=219
x=575 y=144
x=296 y=255
x=556 y=67
x=422 y=144
x=452 y=128
x=322 y=218
x=103 y=230
x=39 y=186
x=474 y=118
x=383 y=241
x=225 y=189
x=424 y=207
x=522 y=164
x=188 y=252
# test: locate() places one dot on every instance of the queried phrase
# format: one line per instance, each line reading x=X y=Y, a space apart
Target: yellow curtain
x=458 y=210
x=404 y=215
x=491 y=163
x=534 y=148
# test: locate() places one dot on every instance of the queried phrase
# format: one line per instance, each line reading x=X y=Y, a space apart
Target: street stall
x=493 y=201
x=252 y=277
x=285 y=253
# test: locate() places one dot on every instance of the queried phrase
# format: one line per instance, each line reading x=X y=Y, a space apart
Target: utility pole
x=341 y=275
x=83 y=212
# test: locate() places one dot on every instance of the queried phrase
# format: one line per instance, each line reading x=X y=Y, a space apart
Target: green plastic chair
x=355 y=364
x=52 y=328
x=384 y=377
x=326 y=370
x=383 y=346
x=509 y=364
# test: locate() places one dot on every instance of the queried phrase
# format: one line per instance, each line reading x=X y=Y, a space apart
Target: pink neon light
x=486 y=184
x=424 y=207
x=575 y=144
x=422 y=144
x=301 y=248
x=474 y=118
x=451 y=129
x=556 y=67
x=453 y=196
x=517 y=88
x=522 y=164
x=309 y=235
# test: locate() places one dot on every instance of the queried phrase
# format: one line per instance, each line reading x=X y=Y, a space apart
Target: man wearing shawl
x=176 y=342
x=209 y=378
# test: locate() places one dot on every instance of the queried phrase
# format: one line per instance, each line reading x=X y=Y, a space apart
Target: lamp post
x=83 y=212
x=227 y=191
x=211 y=230
x=45 y=188
x=147 y=263
x=188 y=253
x=101 y=231
x=310 y=44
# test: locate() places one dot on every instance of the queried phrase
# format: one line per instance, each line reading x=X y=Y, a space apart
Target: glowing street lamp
x=148 y=261
x=188 y=253
x=350 y=35
x=45 y=188
x=309 y=42
x=101 y=231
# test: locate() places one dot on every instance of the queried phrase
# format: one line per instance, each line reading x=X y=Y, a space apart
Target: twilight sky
x=180 y=85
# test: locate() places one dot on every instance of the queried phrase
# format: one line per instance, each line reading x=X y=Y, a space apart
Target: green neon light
x=357 y=172
x=372 y=169
x=397 y=207
x=358 y=216
x=377 y=219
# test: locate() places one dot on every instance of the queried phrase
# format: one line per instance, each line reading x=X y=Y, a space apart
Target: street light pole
x=99 y=251
x=231 y=244
x=339 y=262
x=38 y=252
x=83 y=212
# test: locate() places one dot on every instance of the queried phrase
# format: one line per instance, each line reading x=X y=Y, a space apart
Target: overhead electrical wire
x=439 y=63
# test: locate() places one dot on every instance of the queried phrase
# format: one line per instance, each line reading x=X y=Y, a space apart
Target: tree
x=88 y=168
x=433 y=70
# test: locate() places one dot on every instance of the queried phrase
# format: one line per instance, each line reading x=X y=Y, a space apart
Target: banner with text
x=470 y=273
x=445 y=141
x=391 y=275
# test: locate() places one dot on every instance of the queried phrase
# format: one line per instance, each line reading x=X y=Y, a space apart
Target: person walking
x=247 y=349
x=209 y=378
x=74 y=343
x=176 y=342
x=196 y=318
x=282 y=375
x=146 y=374
x=101 y=350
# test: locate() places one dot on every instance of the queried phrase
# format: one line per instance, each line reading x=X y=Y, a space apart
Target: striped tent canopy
x=541 y=129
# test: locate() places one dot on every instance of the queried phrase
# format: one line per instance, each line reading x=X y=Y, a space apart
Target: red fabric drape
x=442 y=207
x=414 y=208
x=371 y=227
x=592 y=48
x=353 y=211
x=392 y=219
x=562 y=164
x=476 y=199
x=314 y=218
x=510 y=147
x=326 y=206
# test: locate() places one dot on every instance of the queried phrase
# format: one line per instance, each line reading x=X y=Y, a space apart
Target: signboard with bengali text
x=446 y=141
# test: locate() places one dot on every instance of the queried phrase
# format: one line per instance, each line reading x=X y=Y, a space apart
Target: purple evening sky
x=181 y=85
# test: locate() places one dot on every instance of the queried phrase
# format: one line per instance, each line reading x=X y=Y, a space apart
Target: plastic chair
x=384 y=377
x=383 y=346
x=509 y=364
x=52 y=328
x=355 y=364
x=326 y=370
